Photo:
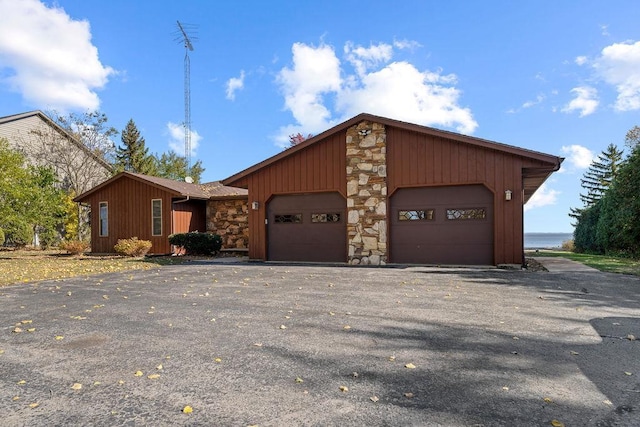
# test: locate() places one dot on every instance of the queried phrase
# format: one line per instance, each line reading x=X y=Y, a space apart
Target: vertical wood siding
x=189 y=216
x=320 y=167
x=416 y=160
x=130 y=215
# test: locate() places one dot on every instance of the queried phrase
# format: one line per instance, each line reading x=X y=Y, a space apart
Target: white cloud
x=363 y=58
x=176 y=139
x=48 y=57
x=581 y=60
x=406 y=44
x=578 y=156
x=544 y=196
x=234 y=84
x=585 y=101
x=619 y=65
x=537 y=101
x=378 y=86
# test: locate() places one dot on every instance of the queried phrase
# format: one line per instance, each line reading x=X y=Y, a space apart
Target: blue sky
x=558 y=77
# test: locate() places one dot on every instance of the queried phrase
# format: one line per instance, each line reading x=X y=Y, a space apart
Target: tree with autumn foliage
x=298 y=139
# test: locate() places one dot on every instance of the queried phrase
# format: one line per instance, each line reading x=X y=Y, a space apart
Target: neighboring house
x=373 y=190
x=151 y=208
x=43 y=142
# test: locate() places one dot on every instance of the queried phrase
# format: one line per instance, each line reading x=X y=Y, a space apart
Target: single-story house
x=151 y=208
x=373 y=190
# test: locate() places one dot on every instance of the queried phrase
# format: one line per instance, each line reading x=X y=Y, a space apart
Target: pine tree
x=134 y=155
x=597 y=179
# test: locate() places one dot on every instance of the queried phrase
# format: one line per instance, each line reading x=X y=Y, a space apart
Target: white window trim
x=153 y=218
x=100 y=234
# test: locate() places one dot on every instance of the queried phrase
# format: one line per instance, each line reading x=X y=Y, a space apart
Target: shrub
x=195 y=243
x=19 y=235
x=48 y=237
x=132 y=247
x=74 y=247
x=1 y=237
x=568 y=245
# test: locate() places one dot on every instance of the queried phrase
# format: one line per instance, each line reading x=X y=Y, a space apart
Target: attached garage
x=409 y=194
x=307 y=227
x=442 y=225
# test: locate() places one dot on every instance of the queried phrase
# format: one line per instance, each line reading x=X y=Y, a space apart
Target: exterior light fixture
x=255 y=205
x=364 y=132
x=507 y=194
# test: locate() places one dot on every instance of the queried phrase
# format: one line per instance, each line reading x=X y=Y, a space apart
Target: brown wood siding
x=189 y=216
x=321 y=167
x=130 y=215
x=417 y=160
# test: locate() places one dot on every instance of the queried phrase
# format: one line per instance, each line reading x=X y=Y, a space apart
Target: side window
x=156 y=217
x=104 y=219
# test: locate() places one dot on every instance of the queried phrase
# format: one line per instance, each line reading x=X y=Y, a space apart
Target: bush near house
x=74 y=247
x=195 y=243
x=1 y=237
x=132 y=247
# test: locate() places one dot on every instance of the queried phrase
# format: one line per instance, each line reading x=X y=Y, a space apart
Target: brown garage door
x=307 y=227
x=442 y=225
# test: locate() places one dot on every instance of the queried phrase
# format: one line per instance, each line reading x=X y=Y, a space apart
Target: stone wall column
x=367 y=194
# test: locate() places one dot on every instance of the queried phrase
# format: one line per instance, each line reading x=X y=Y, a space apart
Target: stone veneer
x=367 y=194
x=229 y=218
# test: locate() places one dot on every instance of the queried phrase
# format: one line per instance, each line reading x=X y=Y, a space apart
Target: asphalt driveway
x=277 y=345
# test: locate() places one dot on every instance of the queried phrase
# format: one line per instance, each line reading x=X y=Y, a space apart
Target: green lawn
x=601 y=262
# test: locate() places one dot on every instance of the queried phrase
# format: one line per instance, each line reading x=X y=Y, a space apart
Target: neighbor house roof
x=59 y=129
x=533 y=178
x=178 y=188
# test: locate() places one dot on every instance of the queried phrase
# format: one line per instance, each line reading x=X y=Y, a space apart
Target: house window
x=417 y=215
x=156 y=217
x=288 y=219
x=325 y=217
x=461 y=214
x=104 y=219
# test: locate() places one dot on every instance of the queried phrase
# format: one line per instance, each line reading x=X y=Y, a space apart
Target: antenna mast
x=184 y=38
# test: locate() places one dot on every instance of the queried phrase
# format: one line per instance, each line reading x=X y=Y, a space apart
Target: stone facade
x=367 y=194
x=229 y=219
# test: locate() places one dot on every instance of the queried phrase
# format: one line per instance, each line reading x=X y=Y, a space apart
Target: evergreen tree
x=619 y=222
x=597 y=178
x=172 y=166
x=134 y=156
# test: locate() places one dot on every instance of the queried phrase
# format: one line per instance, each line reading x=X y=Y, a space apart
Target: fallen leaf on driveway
x=344 y=389
x=21 y=382
x=574 y=353
x=299 y=380
x=26 y=322
x=374 y=398
x=76 y=386
x=31 y=330
x=631 y=337
x=628 y=373
x=159 y=367
x=34 y=405
x=347 y=327
x=410 y=366
x=392 y=358
x=556 y=423
x=138 y=374
x=16 y=330
x=548 y=400
x=283 y=327
x=153 y=376
x=187 y=409
x=408 y=395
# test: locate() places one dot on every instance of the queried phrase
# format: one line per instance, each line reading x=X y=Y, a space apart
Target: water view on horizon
x=545 y=240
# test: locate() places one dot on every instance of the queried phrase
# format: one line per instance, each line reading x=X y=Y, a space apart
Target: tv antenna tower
x=184 y=38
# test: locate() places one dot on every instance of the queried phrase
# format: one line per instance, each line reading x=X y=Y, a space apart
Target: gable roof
x=42 y=116
x=178 y=188
x=533 y=178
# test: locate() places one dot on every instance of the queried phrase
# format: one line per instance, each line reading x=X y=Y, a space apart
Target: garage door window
x=325 y=217
x=288 y=218
x=462 y=214
x=417 y=215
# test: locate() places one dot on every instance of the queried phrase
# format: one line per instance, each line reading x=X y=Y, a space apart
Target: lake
x=545 y=240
